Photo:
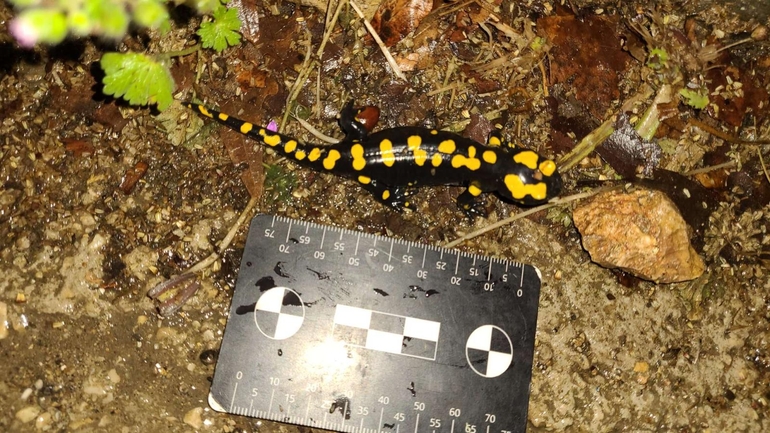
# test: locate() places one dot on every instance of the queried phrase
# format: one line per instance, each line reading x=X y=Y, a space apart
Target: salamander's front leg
x=470 y=203
x=396 y=198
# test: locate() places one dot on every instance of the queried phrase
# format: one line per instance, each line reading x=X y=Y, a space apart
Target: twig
x=376 y=37
x=224 y=243
x=316 y=133
x=726 y=137
x=306 y=68
x=528 y=212
x=184 y=52
x=728 y=164
x=762 y=162
x=541 y=65
x=304 y=72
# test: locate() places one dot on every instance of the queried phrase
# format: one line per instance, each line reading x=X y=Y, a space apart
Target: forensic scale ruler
x=347 y=331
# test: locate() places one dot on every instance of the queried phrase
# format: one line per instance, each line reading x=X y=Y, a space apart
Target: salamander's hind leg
x=396 y=197
x=470 y=203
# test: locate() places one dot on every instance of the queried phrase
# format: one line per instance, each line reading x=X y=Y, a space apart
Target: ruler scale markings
x=457 y=264
x=235 y=390
x=288 y=233
x=497 y=372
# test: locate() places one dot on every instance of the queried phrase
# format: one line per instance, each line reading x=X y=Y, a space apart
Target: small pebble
x=26 y=393
x=193 y=418
x=28 y=413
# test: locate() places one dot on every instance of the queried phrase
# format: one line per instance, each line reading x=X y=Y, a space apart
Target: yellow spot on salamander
x=528 y=158
x=470 y=161
x=547 y=167
x=474 y=190
x=436 y=160
x=433 y=132
x=413 y=142
x=489 y=156
x=300 y=155
x=386 y=150
x=246 y=127
x=314 y=154
x=365 y=180
x=357 y=151
x=519 y=190
x=223 y=117
x=204 y=111
x=420 y=155
x=290 y=146
x=385 y=194
x=331 y=159
x=271 y=140
x=447 y=146
x=494 y=141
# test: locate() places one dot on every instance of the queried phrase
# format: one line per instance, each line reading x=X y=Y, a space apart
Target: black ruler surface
x=347 y=331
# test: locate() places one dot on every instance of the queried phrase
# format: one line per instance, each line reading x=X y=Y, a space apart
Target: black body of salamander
x=391 y=163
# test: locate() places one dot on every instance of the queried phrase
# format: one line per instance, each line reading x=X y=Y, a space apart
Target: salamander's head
x=531 y=179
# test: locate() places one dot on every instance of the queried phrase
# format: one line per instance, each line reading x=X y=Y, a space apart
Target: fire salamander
x=391 y=163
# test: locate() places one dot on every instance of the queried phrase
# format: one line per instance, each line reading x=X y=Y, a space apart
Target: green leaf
x=39 y=25
x=80 y=23
x=25 y=3
x=222 y=31
x=152 y=14
x=113 y=20
x=137 y=78
x=205 y=6
x=657 y=59
x=695 y=99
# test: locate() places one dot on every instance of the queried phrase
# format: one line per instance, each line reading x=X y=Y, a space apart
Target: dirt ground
x=82 y=348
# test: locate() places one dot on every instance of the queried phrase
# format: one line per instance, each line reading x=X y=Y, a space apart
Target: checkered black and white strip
x=489 y=351
x=386 y=332
x=279 y=313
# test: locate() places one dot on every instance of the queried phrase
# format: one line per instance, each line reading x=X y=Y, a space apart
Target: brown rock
x=640 y=232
